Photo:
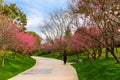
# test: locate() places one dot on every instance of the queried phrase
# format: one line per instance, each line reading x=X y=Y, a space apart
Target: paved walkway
x=48 y=69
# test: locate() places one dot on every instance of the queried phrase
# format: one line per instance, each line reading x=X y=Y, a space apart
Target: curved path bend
x=48 y=69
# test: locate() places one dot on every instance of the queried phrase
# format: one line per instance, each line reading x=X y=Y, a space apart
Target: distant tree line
x=86 y=27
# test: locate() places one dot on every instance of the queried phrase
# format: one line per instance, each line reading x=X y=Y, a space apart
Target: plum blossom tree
x=103 y=14
x=7 y=31
x=81 y=42
x=26 y=42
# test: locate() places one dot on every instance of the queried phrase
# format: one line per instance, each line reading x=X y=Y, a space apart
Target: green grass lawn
x=13 y=67
x=102 y=69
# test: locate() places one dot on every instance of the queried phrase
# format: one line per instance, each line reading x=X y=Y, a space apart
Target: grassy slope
x=103 y=69
x=13 y=67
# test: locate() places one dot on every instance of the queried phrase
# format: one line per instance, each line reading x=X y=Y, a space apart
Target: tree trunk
x=94 y=54
x=113 y=47
x=23 y=56
x=88 y=56
x=77 y=54
x=14 y=55
x=99 y=52
x=106 y=53
x=113 y=54
x=3 y=60
x=116 y=50
x=29 y=54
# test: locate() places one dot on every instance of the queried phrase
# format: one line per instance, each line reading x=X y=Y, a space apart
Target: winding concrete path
x=48 y=69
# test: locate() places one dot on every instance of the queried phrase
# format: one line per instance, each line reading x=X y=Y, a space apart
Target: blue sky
x=37 y=11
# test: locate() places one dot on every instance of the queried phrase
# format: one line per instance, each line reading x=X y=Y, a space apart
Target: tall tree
x=56 y=27
x=14 y=13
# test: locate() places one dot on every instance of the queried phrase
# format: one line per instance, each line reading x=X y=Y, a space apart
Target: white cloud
x=35 y=19
x=34 y=22
x=34 y=16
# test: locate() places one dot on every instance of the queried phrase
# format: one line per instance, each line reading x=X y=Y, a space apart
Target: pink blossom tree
x=7 y=31
x=82 y=42
x=104 y=15
x=26 y=42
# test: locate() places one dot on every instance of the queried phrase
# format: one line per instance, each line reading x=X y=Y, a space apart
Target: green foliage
x=14 y=66
x=1 y=1
x=13 y=12
x=39 y=53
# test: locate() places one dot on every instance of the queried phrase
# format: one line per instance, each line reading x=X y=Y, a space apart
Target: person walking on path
x=64 y=57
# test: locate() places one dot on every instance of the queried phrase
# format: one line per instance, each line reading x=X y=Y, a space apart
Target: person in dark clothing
x=65 y=57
